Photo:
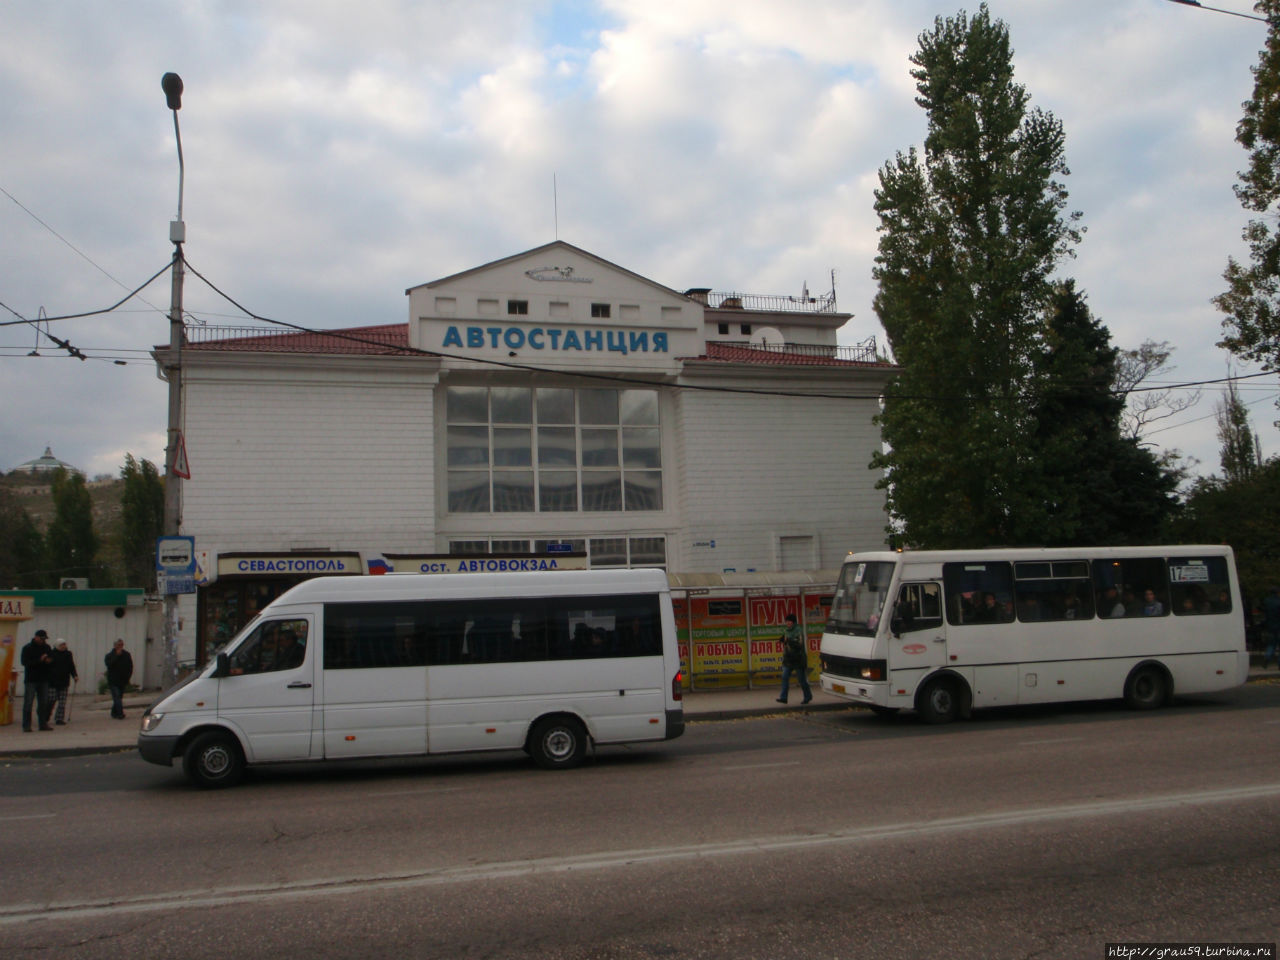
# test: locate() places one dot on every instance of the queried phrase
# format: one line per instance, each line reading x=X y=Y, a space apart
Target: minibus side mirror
x=224 y=666
x=896 y=626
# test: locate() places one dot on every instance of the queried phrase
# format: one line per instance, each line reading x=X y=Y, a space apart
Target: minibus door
x=917 y=639
x=267 y=688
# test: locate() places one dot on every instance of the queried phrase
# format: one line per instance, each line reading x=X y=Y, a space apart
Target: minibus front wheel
x=940 y=701
x=213 y=760
x=558 y=743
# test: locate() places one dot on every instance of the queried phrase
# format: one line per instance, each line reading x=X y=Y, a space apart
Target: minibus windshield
x=860 y=597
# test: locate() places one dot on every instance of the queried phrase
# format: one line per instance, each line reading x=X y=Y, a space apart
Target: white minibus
x=945 y=632
x=404 y=664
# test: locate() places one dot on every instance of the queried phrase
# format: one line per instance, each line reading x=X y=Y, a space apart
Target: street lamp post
x=172 y=85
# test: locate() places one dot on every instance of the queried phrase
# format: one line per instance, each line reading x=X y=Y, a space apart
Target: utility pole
x=172 y=85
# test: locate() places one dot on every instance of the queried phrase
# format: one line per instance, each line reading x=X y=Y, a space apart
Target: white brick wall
x=756 y=468
x=342 y=461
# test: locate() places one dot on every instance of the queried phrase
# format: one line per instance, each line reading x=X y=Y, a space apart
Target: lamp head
x=171 y=83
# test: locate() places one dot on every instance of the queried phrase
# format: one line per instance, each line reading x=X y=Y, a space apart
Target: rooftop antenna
x=555 y=203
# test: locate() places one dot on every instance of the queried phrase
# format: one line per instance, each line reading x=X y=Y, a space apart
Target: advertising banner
x=718 y=641
x=817 y=607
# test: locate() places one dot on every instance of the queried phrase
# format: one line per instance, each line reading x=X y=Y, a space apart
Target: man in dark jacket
x=61 y=672
x=119 y=670
x=36 y=659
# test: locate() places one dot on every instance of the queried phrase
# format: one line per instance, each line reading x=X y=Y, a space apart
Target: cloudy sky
x=339 y=152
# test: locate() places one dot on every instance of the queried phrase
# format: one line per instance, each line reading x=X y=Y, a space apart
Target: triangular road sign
x=181 y=468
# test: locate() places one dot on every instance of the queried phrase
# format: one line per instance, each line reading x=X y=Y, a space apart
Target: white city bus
x=944 y=632
x=402 y=665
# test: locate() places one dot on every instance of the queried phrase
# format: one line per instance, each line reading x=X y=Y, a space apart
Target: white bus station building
x=547 y=410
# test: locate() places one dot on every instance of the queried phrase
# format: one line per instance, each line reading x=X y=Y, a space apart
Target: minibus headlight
x=871 y=673
x=151 y=721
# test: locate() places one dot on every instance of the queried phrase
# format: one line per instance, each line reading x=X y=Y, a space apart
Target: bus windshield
x=859 y=599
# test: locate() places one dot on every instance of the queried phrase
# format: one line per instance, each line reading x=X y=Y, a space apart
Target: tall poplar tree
x=970 y=234
x=142 y=509
x=71 y=541
x=1252 y=300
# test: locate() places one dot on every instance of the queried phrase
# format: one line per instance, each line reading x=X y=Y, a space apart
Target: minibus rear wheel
x=213 y=760
x=1146 y=688
x=558 y=743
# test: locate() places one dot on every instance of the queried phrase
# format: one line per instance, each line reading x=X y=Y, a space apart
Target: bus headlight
x=151 y=721
x=871 y=673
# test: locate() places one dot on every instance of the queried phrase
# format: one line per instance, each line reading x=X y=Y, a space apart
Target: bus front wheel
x=558 y=743
x=1146 y=689
x=939 y=701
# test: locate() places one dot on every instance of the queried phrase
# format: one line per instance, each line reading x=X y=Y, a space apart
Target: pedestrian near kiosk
x=1271 y=625
x=36 y=659
x=794 y=658
x=61 y=672
x=119 y=670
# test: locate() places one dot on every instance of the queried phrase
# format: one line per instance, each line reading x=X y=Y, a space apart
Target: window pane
x=469 y=547
x=555 y=405
x=557 y=490
x=640 y=407
x=556 y=447
x=467 y=404
x=599 y=448
x=509 y=546
x=512 y=447
x=512 y=491
x=641 y=447
x=643 y=489
x=602 y=490
x=1122 y=586
x=468 y=446
x=648 y=551
x=598 y=406
x=609 y=552
x=512 y=405
x=468 y=491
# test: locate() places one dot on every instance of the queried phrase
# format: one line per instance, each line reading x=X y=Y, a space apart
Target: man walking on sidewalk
x=119 y=670
x=36 y=660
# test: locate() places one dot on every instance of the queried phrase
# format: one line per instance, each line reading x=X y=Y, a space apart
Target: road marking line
x=169 y=901
x=31 y=816
x=761 y=766
x=420 y=792
x=1037 y=743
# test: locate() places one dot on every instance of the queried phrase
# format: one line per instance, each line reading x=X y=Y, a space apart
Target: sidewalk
x=91 y=729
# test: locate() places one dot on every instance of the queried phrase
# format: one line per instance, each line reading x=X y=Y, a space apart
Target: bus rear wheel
x=939 y=701
x=1146 y=689
x=558 y=743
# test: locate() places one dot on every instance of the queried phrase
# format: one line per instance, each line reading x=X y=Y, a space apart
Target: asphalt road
x=1044 y=833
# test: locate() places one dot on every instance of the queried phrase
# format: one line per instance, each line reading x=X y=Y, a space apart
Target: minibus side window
x=1199 y=585
x=978 y=592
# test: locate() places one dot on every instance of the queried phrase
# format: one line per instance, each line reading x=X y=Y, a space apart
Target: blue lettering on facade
x=516 y=565
x=436 y=567
x=293 y=565
x=514 y=338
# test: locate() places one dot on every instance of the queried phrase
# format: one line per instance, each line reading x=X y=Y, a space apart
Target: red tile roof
x=392 y=338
